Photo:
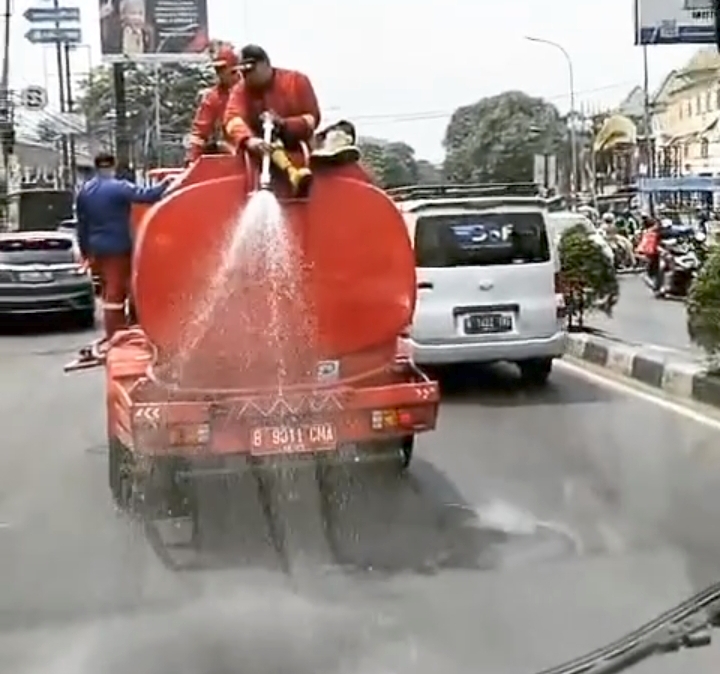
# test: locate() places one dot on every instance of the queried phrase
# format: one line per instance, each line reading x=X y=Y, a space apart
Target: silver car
x=42 y=273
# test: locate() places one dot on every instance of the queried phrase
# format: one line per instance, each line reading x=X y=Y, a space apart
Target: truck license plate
x=305 y=438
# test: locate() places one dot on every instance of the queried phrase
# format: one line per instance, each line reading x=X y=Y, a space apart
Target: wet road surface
x=532 y=527
x=640 y=318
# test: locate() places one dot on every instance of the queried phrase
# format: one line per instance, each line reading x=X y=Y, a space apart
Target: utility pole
x=70 y=109
x=649 y=143
x=122 y=140
x=7 y=125
x=61 y=93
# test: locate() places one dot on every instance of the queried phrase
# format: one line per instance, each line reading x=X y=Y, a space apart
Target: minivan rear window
x=480 y=239
x=37 y=251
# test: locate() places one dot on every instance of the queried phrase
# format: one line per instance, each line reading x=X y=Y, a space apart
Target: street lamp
x=573 y=144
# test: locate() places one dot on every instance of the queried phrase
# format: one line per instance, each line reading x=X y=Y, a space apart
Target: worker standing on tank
x=289 y=98
x=207 y=135
x=104 y=235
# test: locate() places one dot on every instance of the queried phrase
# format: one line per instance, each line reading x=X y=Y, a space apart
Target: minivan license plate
x=483 y=324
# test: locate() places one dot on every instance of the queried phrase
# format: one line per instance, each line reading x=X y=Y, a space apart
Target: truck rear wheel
x=119 y=473
x=399 y=450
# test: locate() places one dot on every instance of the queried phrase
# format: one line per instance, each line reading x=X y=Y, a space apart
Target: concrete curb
x=680 y=379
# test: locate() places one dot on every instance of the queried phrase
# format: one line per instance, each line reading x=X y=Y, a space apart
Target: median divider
x=681 y=378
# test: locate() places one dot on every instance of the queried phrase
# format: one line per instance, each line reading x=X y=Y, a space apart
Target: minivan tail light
x=558 y=283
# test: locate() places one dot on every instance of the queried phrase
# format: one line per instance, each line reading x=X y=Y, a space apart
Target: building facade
x=685 y=115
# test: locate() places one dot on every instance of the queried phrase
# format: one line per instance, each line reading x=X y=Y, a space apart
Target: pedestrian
x=103 y=213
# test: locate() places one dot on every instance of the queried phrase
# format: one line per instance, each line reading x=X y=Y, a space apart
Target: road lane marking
x=648 y=395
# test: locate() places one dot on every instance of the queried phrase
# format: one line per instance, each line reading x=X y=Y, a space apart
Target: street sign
x=54 y=14
x=49 y=35
x=34 y=98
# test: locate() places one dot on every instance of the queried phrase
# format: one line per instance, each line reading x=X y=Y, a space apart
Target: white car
x=486 y=280
x=561 y=221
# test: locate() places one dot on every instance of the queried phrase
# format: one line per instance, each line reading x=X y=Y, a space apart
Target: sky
x=398 y=68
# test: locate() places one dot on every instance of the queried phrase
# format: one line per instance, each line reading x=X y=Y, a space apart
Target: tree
x=179 y=85
x=703 y=309
x=588 y=277
x=392 y=164
x=495 y=139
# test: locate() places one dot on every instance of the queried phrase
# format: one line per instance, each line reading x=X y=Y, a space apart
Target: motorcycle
x=678 y=266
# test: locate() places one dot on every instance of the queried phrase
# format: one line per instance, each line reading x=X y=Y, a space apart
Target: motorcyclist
x=207 y=135
x=619 y=243
x=649 y=248
x=289 y=98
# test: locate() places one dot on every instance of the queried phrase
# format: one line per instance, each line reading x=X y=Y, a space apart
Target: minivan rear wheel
x=535 y=371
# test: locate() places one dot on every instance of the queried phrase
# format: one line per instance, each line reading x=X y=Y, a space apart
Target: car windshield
x=36 y=251
x=480 y=239
x=340 y=399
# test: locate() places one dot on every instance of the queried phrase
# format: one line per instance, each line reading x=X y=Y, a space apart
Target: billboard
x=153 y=30
x=674 y=22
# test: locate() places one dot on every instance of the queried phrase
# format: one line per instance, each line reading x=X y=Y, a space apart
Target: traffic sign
x=48 y=35
x=54 y=14
x=34 y=98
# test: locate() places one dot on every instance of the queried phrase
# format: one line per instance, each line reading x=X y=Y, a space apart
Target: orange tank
x=341 y=302
x=138 y=211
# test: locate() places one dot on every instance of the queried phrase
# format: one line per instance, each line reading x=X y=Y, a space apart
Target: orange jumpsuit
x=290 y=95
x=208 y=121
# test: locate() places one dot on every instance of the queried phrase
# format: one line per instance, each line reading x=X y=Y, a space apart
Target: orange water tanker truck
x=189 y=388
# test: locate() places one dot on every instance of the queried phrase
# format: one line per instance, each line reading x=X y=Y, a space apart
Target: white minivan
x=487 y=283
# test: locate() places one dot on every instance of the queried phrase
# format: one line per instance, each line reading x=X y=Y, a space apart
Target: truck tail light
x=188 y=435
x=398 y=419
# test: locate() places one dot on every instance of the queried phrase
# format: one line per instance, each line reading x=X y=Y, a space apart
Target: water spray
x=268 y=128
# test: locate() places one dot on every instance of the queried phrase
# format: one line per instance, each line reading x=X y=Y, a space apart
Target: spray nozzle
x=268 y=129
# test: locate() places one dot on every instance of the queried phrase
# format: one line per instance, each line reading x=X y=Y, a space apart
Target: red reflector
x=406 y=419
x=558 y=282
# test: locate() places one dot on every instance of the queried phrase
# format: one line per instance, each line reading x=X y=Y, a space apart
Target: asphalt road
x=532 y=527
x=640 y=318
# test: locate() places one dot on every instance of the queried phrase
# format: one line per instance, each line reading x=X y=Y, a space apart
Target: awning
x=616 y=130
x=684 y=184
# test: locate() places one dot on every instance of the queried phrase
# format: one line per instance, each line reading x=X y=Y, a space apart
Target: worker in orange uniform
x=288 y=96
x=207 y=127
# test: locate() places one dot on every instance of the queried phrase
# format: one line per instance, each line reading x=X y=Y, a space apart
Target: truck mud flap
x=294 y=497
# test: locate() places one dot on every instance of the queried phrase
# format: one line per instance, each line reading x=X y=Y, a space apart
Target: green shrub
x=588 y=277
x=703 y=308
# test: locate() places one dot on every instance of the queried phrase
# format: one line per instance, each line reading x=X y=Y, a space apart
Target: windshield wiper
x=688 y=625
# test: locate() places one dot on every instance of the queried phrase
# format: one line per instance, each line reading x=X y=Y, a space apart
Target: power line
x=441 y=114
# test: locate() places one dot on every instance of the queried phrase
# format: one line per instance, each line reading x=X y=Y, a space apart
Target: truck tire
x=407 y=447
x=85 y=319
x=118 y=479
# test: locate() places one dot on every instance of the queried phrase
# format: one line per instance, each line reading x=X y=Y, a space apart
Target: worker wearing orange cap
x=208 y=123
x=289 y=97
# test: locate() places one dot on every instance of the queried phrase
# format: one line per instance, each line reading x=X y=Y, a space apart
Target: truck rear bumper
x=334 y=420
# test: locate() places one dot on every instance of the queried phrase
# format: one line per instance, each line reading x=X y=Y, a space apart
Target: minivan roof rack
x=464 y=191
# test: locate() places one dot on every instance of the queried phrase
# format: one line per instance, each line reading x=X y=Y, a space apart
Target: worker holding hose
x=286 y=95
x=207 y=134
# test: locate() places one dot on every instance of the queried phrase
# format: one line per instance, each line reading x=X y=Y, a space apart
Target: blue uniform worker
x=103 y=213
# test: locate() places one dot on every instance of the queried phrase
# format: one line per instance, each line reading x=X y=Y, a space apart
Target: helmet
x=224 y=57
x=608 y=218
